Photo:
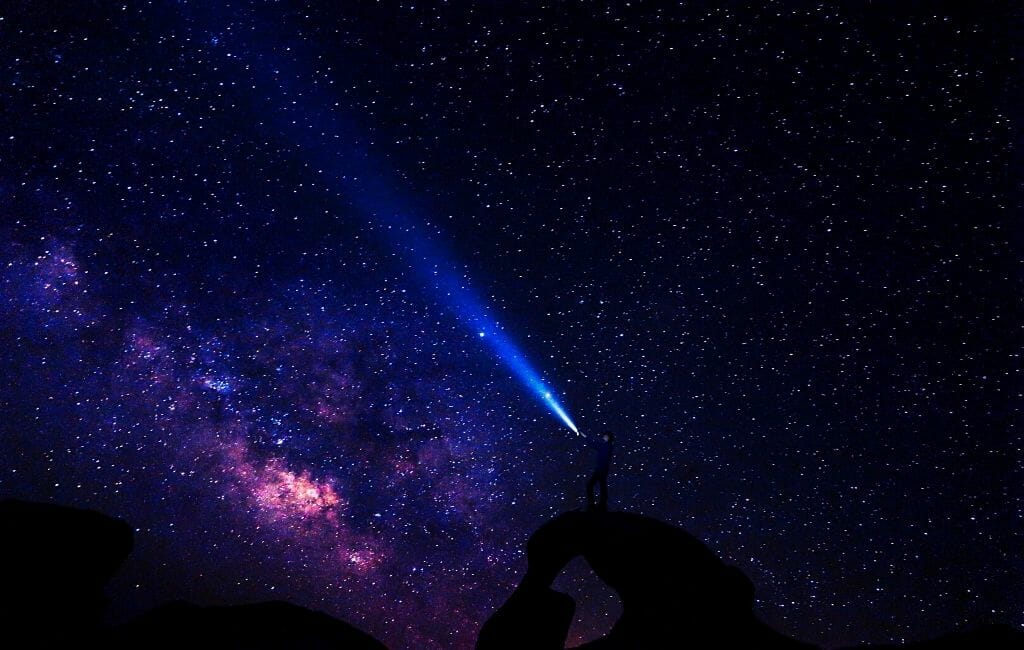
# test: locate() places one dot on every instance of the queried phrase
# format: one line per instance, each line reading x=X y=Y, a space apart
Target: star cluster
x=772 y=246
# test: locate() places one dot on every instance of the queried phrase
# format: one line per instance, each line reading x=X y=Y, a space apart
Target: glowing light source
x=560 y=412
x=507 y=351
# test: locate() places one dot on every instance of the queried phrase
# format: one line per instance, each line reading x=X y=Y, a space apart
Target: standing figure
x=604 y=446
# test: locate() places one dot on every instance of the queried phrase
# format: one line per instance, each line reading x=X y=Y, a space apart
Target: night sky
x=245 y=249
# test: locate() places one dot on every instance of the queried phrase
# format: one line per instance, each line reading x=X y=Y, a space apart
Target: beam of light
x=509 y=353
x=294 y=104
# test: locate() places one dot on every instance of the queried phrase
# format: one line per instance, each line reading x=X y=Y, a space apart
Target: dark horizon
x=248 y=252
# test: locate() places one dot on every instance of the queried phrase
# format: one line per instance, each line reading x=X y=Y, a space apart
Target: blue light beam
x=510 y=354
x=295 y=105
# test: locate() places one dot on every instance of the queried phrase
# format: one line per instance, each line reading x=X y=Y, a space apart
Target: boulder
x=675 y=592
x=55 y=563
x=534 y=617
x=256 y=626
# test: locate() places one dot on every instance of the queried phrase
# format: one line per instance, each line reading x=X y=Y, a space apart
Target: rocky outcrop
x=674 y=591
x=259 y=626
x=55 y=562
x=534 y=616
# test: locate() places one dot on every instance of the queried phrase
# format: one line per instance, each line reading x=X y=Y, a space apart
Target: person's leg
x=603 y=503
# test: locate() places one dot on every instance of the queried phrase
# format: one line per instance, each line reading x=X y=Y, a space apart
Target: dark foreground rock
x=55 y=562
x=675 y=593
x=259 y=626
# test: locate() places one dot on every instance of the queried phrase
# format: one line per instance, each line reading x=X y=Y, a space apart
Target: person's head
x=608 y=436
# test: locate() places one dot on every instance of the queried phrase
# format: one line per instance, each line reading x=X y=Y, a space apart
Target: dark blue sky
x=774 y=247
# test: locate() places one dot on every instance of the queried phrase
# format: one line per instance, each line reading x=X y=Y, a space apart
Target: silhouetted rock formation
x=55 y=563
x=674 y=591
x=675 y=594
x=534 y=616
x=259 y=626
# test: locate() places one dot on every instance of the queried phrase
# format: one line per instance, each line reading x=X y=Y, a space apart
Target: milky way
x=773 y=248
x=342 y=450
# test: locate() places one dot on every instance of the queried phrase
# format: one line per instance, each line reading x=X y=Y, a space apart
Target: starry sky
x=772 y=246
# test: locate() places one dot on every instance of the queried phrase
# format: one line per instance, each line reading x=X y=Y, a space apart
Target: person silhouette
x=604 y=447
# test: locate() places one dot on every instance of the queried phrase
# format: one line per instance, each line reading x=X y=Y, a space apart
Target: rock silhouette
x=259 y=626
x=55 y=562
x=675 y=593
